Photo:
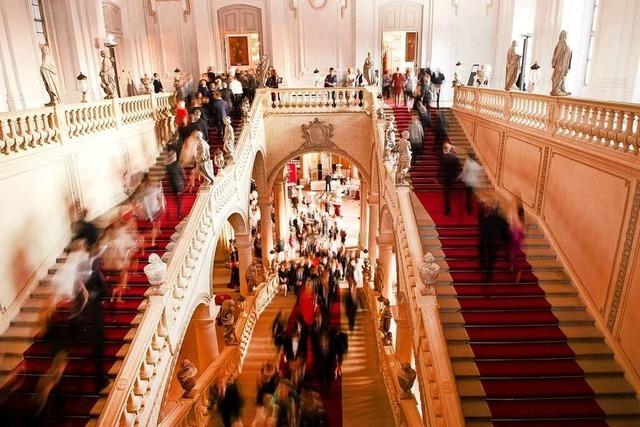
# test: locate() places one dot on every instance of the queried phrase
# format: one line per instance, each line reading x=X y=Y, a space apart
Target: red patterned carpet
x=528 y=371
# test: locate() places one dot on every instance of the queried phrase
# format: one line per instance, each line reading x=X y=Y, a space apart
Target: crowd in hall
x=311 y=263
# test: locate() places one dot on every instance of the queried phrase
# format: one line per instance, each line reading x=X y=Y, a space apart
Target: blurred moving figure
x=471 y=176
x=493 y=229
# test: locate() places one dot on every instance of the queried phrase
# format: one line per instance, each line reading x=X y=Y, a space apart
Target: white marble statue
x=49 y=73
x=483 y=74
x=368 y=70
x=156 y=272
x=146 y=83
x=404 y=158
x=203 y=159
x=107 y=75
x=219 y=160
x=261 y=70
x=389 y=139
x=245 y=107
x=350 y=78
x=513 y=63
x=457 y=75
x=229 y=139
x=561 y=63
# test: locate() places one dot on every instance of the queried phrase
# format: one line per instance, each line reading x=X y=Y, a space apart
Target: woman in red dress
x=398 y=81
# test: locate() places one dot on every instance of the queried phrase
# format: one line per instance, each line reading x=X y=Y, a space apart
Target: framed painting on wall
x=411 y=44
x=238 y=51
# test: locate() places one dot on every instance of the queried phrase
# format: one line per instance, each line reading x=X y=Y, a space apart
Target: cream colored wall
x=588 y=201
x=37 y=190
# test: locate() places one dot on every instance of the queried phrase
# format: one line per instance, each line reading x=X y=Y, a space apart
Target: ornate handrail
x=282 y=101
x=193 y=409
x=134 y=398
x=612 y=125
x=28 y=130
x=404 y=409
x=440 y=403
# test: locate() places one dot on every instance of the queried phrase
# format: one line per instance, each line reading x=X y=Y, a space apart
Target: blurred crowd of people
x=413 y=86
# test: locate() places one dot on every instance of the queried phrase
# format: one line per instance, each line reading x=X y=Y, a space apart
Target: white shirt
x=471 y=173
x=236 y=87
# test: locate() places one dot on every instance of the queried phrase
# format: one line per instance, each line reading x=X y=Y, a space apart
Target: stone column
x=374 y=217
x=354 y=172
x=281 y=209
x=363 y=238
x=245 y=258
x=206 y=339
x=385 y=246
x=304 y=167
x=266 y=228
x=404 y=350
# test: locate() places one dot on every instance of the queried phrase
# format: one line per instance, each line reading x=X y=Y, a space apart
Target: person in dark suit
x=437 y=78
x=157 y=84
x=332 y=79
x=220 y=111
x=493 y=228
x=449 y=166
x=93 y=317
x=230 y=403
x=197 y=123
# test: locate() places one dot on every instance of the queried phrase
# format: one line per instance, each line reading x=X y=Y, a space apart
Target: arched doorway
x=401 y=35
x=241 y=39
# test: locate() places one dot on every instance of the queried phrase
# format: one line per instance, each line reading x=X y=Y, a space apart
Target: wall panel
x=489 y=145
x=521 y=166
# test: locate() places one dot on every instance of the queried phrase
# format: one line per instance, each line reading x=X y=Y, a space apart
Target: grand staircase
x=26 y=356
x=523 y=354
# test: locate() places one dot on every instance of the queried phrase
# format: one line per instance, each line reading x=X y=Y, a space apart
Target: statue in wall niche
x=404 y=159
x=146 y=83
x=107 y=75
x=203 y=158
x=561 y=63
x=261 y=70
x=219 y=160
x=378 y=277
x=187 y=376
x=229 y=139
x=156 y=272
x=368 y=70
x=228 y=321
x=385 y=321
x=513 y=63
x=49 y=73
x=406 y=378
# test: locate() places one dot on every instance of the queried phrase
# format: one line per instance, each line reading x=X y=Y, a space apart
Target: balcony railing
x=136 y=397
x=611 y=125
x=319 y=100
x=29 y=130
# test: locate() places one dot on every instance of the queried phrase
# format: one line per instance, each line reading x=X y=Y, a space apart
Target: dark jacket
x=220 y=109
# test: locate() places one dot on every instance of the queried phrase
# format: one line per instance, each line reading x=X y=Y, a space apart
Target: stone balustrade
x=194 y=409
x=439 y=401
x=27 y=130
x=137 y=395
x=319 y=100
x=611 y=125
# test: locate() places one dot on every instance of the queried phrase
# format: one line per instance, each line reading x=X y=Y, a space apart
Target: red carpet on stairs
x=73 y=402
x=528 y=371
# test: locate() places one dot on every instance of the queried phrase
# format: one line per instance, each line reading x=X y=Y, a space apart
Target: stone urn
x=429 y=271
x=156 y=271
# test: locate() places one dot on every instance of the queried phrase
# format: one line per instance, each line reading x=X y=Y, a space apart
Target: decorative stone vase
x=406 y=378
x=156 y=272
x=429 y=271
x=187 y=376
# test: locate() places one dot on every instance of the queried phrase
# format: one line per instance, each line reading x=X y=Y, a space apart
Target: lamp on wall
x=83 y=86
x=487 y=5
x=110 y=41
x=534 y=76
x=454 y=5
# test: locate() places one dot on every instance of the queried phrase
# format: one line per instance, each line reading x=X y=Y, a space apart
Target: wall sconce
x=454 y=5
x=83 y=86
x=534 y=76
x=487 y=5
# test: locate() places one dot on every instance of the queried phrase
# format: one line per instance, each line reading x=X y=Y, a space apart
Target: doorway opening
x=399 y=49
